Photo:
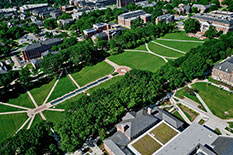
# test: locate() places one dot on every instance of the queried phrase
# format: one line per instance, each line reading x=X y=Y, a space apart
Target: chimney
x=122 y=128
x=149 y=111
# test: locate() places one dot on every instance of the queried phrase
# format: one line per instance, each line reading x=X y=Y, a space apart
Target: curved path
x=169 y=47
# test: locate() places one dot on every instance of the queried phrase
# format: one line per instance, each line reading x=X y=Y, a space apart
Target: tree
x=50 y=24
x=191 y=25
x=24 y=77
x=211 y=33
x=37 y=140
x=52 y=63
x=195 y=10
x=64 y=16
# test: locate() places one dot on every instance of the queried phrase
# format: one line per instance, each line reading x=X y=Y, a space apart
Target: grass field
x=218 y=100
x=40 y=94
x=179 y=36
x=183 y=46
x=106 y=84
x=36 y=120
x=73 y=99
x=163 y=133
x=4 y=108
x=137 y=60
x=163 y=51
x=182 y=93
x=10 y=124
x=146 y=145
x=23 y=100
x=92 y=73
x=54 y=116
x=64 y=86
x=142 y=47
x=176 y=113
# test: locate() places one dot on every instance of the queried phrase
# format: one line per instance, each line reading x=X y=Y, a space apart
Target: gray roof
x=226 y=19
x=99 y=24
x=226 y=66
x=185 y=142
x=120 y=139
x=90 y=30
x=132 y=14
x=140 y=122
x=166 y=116
x=223 y=145
x=114 y=148
x=39 y=44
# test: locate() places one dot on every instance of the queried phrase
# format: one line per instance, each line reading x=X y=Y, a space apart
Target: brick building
x=219 y=19
x=224 y=71
x=126 y=19
x=35 y=50
x=133 y=125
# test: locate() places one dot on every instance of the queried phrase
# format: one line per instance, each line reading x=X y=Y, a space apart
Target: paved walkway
x=72 y=79
x=169 y=47
x=213 y=121
x=190 y=41
x=30 y=123
x=23 y=124
x=119 y=69
x=114 y=65
x=155 y=53
x=56 y=109
x=201 y=100
x=55 y=84
x=15 y=106
x=13 y=112
x=33 y=101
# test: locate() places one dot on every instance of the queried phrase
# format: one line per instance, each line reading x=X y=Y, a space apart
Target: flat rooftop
x=185 y=142
x=154 y=139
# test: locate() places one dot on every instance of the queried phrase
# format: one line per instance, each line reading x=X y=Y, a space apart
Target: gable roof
x=134 y=123
x=226 y=66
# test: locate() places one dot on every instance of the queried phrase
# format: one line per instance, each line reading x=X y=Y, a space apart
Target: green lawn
x=22 y=100
x=92 y=73
x=163 y=133
x=4 y=108
x=54 y=116
x=182 y=93
x=40 y=94
x=73 y=99
x=137 y=60
x=163 y=51
x=183 y=46
x=218 y=100
x=64 y=86
x=176 y=113
x=179 y=36
x=10 y=124
x=36 y=120
x=142 y=47
x=146 y=145
x=106 y=84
